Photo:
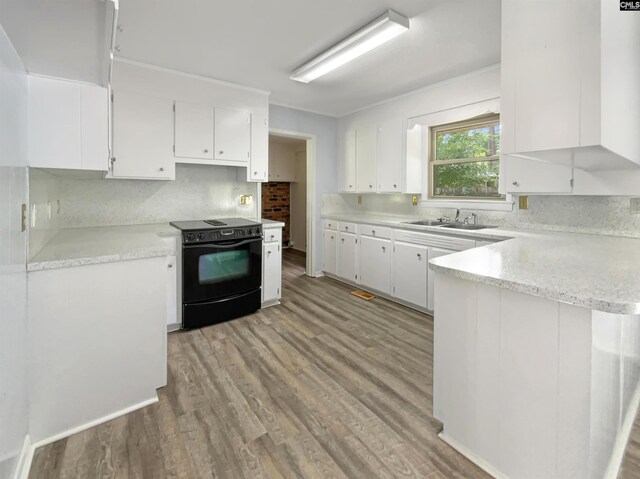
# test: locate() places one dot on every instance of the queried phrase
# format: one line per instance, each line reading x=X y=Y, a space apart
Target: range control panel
x=219 y=235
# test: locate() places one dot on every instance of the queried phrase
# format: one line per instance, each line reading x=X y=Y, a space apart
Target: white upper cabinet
x=366 y=153
x=232 y=136
x=282 y=168
x=68 y=124
x=259 y=163
x=193 y=131
x=530 y=176
x=390 y=154
x=347 y=163
x=569 y=83
x=142 y=136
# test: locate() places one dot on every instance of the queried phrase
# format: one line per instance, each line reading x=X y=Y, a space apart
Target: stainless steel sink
x=462 y=226
x=426 y=223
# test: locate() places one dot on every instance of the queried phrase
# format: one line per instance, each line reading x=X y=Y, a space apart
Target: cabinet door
x=348 y=162
x=142 y=136
x=347 y=256
x=259 y=162
x=330 y=250
x=547 y=114
x=54 y=123
x=434 y=253
x=410 y=265
x=271 y=271
x=375 y=263
x=529 y=176
x=94 y=113
x=193 y=131
x=232 y=135
x=390 y=154
x=366 y=146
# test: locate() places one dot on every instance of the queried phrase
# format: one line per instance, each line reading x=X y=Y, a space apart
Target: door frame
x=311 y=192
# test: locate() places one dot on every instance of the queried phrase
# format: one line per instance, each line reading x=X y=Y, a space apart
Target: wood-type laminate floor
x=325 y=385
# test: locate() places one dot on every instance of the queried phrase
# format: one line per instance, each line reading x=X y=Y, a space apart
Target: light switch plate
x=359 y=199
x=634 y=206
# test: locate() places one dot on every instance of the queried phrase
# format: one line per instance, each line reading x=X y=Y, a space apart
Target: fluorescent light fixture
x=379 y=31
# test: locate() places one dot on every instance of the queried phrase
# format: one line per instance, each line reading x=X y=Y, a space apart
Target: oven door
x=216 y=270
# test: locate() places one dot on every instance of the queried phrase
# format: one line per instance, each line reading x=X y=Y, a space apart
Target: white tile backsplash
x=584 y=214
x=198 y=192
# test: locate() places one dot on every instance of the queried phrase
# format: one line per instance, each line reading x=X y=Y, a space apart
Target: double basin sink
x=449 y=224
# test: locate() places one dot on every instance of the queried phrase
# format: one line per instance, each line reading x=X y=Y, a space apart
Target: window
x=464 y=161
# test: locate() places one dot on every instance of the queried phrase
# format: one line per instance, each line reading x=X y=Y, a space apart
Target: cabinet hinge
x=174 y=148
x=356 y=240
x=571 y=182
x=278 y=247
x=174 y=107
x=111 y=97
x=394 y=289
x=277 y=290
x=356 y=276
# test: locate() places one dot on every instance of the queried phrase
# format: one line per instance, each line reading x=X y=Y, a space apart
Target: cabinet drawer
x=377 y=231
x=347 y=227
x=330 y=224
x=434 y=240
x=272 y=235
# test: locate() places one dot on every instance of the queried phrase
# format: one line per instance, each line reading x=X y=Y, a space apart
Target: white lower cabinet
x=271 y=271
x=410 y=270
x=434 y=253
x=330 y=258
x=347 y=256
x=375 y=263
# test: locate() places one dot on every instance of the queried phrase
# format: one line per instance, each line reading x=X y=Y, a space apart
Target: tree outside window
x=465 y=159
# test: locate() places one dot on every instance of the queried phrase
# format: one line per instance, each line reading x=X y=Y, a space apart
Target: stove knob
x=191 y=237
x=201 y=236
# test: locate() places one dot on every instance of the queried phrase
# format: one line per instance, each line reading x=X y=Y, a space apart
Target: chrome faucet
x=457 y=215
x=473 y=217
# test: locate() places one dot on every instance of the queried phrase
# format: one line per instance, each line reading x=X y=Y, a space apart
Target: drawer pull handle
x=515 y=183
x=373 y=232
x=419 y=256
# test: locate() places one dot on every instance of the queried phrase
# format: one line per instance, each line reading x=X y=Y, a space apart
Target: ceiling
x=257 y=43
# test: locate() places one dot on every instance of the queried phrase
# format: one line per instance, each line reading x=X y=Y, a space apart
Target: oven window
x=226 y=265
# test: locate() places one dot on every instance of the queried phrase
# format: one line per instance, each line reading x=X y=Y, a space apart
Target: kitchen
x=476 y=172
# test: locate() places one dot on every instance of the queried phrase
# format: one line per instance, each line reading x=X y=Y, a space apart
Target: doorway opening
x=289 y=195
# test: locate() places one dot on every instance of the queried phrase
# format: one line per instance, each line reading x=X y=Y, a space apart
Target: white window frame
x=454 y=115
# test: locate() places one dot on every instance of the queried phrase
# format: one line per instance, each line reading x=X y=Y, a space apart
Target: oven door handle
x=222 y=245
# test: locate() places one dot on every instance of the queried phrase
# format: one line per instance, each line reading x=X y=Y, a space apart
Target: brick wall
x=276 y=205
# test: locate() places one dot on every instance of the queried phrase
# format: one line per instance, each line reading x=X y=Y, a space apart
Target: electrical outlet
x=359 y=199
x=414 y=200
x=634 y=206
x=523 y=202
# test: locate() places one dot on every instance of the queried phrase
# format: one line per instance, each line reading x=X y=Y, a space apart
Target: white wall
x=13 y=290
x=325 y=130
x=298 y=236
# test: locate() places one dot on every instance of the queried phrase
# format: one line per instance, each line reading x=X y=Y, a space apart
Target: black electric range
x=221 y=270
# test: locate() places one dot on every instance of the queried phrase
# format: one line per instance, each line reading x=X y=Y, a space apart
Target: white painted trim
x=173 y=327
x=307 y=110
x=95 y=422
x=312 y=247
x=130 y=61
x=318 y=274
x=485 y=466
x=424 y=88
x=268 y=304
x=485 y=205
x=620 y=446
x=25 y=459
x=197 y=161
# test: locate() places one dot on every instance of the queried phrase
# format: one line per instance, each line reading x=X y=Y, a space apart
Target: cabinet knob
x=221 y=152
x=273 y=236
x=255 y=172
x=384 y=248
x=269 y=252
x=515 y=183
x=205 y=151
x=370 y=186
x=419 y=256
x=331 y=236
x=346 y=228
x=350 y=186
x=395 y=186
x=342 y=239
x=161 y=169
x=170 y=265
x=373 y=232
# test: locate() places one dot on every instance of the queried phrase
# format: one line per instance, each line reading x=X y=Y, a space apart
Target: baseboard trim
x=481 y=463
x=173 y=327
x=26 y=458
x=268 y=304
x=95 y=422
x=317 y=274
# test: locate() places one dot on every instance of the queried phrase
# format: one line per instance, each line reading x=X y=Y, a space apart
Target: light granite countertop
x=82 y=246
x=271 y=223
x=593 y=271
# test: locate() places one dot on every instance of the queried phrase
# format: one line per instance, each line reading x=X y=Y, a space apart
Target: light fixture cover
x=374 y=34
